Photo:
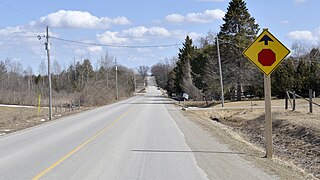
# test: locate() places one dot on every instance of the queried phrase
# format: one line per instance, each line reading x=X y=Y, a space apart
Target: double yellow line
x=79 y=147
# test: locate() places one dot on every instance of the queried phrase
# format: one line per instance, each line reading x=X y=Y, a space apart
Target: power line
x=17 y=11
x=119 y=46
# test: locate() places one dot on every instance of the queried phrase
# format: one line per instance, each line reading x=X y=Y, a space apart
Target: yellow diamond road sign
x=266 y=52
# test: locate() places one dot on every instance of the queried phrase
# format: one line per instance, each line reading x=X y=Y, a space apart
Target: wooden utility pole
x=268 y=116
x=47 y=47
x=220 y=71
x=117 y=93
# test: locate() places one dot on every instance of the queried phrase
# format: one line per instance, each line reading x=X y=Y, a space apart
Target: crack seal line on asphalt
x=79 y=147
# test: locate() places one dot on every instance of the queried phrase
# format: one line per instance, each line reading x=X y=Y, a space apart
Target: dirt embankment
x=296 y=135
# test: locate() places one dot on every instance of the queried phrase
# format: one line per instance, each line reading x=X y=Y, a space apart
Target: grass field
x=17 y=118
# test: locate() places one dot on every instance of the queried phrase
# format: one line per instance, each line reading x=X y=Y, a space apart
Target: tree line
x=79 y=82
x=195 y=70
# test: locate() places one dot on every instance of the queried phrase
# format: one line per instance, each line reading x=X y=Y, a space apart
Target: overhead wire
x=17 y=11
x=118 y=46
x=86 y=43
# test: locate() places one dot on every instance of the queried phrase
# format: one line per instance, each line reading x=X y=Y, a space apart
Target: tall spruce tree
x=185 y=54
x=238 y=30
x=183 y=78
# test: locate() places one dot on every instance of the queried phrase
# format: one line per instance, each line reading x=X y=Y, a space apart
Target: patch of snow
x=42 y=120
x=1 y=134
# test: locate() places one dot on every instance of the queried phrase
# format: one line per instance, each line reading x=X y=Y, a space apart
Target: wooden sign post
x=267 y=52
x=268 y=116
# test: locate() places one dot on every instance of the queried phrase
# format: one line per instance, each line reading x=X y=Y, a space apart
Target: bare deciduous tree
x=143 y=71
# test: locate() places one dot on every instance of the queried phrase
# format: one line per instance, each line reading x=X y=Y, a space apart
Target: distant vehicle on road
x=177 y=97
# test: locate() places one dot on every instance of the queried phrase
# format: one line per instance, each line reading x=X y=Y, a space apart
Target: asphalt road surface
x=138 y=138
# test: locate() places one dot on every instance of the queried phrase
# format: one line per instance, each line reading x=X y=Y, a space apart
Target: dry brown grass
x=17 y=118
x=296 y=134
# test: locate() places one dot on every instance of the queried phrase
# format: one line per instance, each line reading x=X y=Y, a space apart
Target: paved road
x=138 y=138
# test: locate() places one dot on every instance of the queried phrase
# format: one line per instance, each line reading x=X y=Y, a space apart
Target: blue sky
x=136 y=23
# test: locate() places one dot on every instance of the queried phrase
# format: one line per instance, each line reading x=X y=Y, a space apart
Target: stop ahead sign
x=266 y=57
x=266 y=52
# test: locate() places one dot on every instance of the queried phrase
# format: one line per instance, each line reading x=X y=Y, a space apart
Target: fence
x=292 y=100
x=60 y=107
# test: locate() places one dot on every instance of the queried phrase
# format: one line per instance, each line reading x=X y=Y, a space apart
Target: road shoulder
x=213 y=142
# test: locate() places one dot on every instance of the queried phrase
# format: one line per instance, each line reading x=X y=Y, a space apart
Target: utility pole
x=117 y=93
x=47 y=47
x=220 y=71
x=135 y=81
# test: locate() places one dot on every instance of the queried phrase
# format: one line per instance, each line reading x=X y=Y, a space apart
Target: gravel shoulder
x=243 y=131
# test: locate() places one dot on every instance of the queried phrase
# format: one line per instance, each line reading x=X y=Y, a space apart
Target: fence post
x=310 y=100
x=294 y=101
x=286 y=101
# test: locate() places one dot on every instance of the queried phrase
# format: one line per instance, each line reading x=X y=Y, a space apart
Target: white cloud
x=110 y=37
x=137 y=34
x=158 y=31
x=95 y=49
x=78 y=19
x=205 y=17
x=195 y=36
x=317 y=32
x=301 y=35
x=175 y=18
x=141 y=31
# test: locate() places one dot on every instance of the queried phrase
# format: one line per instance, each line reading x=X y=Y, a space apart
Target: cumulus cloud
x=110 y=37
x=175 y=18
x=204 y=17
x=140 y=33
x=301 y=35
x=78 y=19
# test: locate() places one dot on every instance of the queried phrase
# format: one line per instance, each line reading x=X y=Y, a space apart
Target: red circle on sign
x=266 y=57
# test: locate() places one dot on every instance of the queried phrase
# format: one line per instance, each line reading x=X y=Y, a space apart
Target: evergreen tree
x=314 y=77
x=183 y=78
x=181 y=70
x=205 y=71
x=87 y=69
x=302 y=78
x=238 y=30
x=283 y=79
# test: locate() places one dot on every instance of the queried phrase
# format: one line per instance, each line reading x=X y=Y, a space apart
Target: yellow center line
x=79 y=147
